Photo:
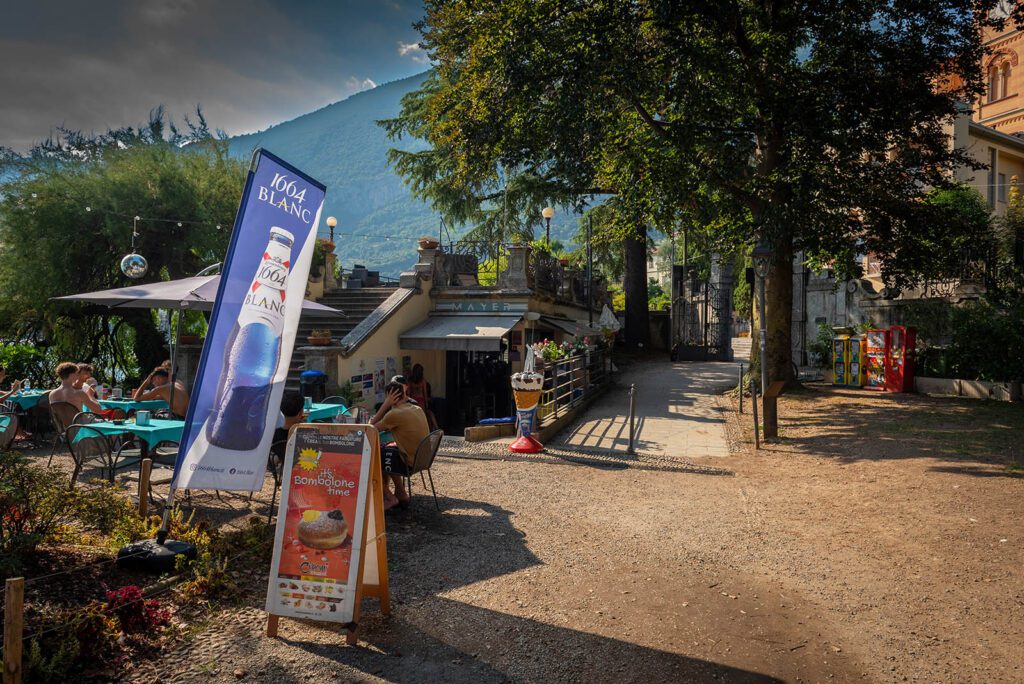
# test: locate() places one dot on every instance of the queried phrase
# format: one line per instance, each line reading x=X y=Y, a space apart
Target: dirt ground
x=878 y=540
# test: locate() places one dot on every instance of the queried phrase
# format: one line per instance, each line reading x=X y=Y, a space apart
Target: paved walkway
x=676 y=411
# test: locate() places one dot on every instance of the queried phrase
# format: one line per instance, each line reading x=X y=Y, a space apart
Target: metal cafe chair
x=333 y=400
x=86 y=418
x=87 y=444
x=426 y=452
x=354 y=415
x=8 y=429
x=163 y=454
x=275 y=464
x=63 y=415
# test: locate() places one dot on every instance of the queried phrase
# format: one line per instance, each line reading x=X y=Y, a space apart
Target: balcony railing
x=488 y=264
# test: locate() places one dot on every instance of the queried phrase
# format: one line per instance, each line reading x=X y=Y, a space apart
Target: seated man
x=291 y=408
x=68 y=392
x=85 y=380
x=408 y=424
x=160 y=382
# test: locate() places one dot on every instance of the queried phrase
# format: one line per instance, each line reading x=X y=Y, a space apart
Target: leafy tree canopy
x=819 y=126
x=66 y=217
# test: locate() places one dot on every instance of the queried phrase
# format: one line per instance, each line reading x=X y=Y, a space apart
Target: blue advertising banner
x=236 y=397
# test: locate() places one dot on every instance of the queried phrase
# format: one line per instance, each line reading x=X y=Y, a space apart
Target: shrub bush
x=36 y=507
x=821 y=348
x=987 y=342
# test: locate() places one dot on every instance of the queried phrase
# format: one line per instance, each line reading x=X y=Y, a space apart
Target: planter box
x=482 y=433
x=971 y=389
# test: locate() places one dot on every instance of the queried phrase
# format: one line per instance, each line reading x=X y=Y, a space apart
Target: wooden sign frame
x=372 y=552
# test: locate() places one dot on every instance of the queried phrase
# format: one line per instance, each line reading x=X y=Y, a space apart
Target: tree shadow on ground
x=978 y=472
x=452 y=641
x=434 y=638
x=853 y=425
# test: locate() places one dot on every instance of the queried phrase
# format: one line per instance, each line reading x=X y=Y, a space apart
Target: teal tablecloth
x=157 y=431
x=325 y=411
x=4 y=422
x=127 y=405
x=26 y=400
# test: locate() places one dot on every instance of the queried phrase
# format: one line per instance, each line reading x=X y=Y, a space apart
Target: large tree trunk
x=638 y=328
x=149 y=343
x=779 y=313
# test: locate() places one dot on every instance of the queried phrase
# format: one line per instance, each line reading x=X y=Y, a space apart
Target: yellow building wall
x=979 y=144
x=1002 y=105
x=384 y=342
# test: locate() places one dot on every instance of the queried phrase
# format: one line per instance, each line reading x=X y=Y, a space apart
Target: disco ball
x=134 y=265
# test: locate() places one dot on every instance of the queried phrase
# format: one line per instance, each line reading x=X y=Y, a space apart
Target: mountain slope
x=342 y=146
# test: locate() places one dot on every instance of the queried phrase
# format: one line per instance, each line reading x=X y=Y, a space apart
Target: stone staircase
x=741 y=349
x=357 y=303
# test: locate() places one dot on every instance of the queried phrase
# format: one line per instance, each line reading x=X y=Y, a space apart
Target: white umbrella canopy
x=198 y=293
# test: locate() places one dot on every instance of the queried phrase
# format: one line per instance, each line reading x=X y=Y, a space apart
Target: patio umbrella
x=197 y=293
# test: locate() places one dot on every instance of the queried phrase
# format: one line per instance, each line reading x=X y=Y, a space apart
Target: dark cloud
x=248 y=63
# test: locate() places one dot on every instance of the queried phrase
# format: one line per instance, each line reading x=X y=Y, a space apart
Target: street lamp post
x=762 y=258
x=331 y=223
x=547 y=213
x=590 y=271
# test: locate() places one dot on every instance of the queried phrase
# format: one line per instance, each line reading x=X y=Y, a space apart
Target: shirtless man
x=160 y=380
x=67 y=372
x=85 y=380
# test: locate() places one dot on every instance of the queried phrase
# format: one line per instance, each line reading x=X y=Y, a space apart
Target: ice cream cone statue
x=527 y=387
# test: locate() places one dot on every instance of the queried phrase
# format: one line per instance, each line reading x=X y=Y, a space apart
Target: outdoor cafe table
x=128 y=405
x=26 y=400
x=158 y=430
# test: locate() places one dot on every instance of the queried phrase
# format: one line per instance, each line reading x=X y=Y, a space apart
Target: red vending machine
x=899 y=368
x=876 y=356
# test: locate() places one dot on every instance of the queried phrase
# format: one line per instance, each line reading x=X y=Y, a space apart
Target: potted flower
x=427 y=242
x=320 y=338
x=321 y=248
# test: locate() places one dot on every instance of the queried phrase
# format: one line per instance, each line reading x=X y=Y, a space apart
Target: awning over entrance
x=460 y=333
x=571 y=327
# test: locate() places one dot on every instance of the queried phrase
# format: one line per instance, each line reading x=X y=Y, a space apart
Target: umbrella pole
x=161 y=535
x=175 y=341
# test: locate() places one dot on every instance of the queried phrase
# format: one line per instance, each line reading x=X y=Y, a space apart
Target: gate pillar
x=723 y=279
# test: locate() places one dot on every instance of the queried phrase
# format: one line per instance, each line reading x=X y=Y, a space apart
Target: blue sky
x=248 y=63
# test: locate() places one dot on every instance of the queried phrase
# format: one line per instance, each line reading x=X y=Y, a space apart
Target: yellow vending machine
x=849 y=354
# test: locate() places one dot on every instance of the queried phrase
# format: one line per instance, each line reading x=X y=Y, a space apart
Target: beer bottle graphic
x=253 y=353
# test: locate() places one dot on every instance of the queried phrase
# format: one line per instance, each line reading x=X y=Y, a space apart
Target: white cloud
x=413 y=51
x=355 y=84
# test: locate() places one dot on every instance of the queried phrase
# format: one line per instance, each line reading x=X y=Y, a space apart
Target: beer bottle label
x=265 y=300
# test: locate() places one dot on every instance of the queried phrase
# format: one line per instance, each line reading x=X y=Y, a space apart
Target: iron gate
x=702 y=323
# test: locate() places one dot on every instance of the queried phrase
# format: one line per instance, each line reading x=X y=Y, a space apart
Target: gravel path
x=588 y=566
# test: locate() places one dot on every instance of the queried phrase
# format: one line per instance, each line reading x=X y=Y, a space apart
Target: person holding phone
x=408 y=424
